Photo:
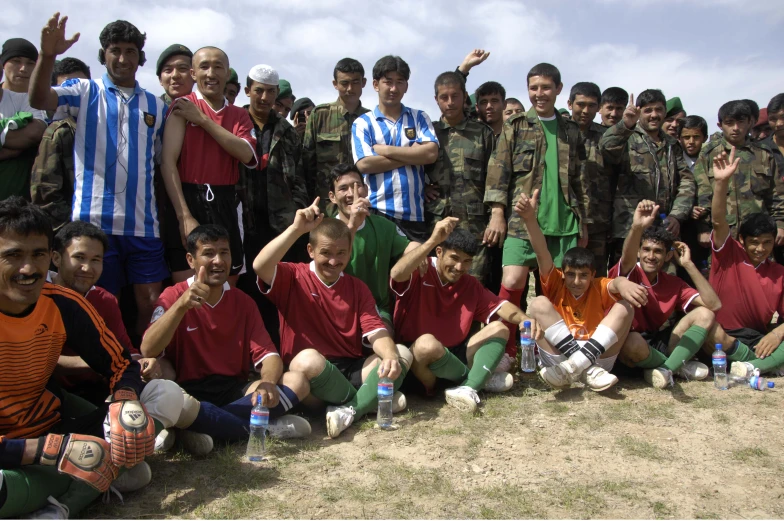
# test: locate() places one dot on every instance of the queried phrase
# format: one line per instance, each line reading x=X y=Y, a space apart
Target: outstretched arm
x=526 y=208
x=723 y=169
x=53 y=43
x=644 y=216
x=403 y=268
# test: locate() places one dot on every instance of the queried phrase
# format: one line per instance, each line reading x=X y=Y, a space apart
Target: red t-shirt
x=668 y=293
x=223 y=339
x=202 y=159
x=446 y=311
x=334 y=319
x=749 y=296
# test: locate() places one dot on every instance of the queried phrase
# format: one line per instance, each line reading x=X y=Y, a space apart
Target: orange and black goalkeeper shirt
x=30 y=347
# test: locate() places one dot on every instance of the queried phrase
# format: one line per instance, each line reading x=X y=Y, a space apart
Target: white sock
x=605 y=336
x=580 y=361
x=556 y=333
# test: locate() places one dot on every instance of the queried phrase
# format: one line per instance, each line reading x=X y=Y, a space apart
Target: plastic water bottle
x=719 y=359
x=759 y=383
x=259 y=421
x=527 y=355
x=386 y=389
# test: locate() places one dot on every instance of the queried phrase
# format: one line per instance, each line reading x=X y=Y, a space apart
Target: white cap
x=264 y=74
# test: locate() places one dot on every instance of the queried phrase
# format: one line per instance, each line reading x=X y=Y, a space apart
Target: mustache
x=20 y=278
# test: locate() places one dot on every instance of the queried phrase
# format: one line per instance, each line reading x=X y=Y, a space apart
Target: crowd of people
x=294 y=255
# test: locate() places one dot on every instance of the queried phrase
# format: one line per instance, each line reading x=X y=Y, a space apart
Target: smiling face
x=24 y=262
x=215 y=256
x=758 y=248
x=652 y=256
x=342 y=193
x=283 y=106
x=176 y=77
x=542 y=91
x=452 y=264
x=652 y=116
x=611 y=113
x=330 y=257
x=80 y=265
x=671 y=123
x=211 y=72
x=122 y=62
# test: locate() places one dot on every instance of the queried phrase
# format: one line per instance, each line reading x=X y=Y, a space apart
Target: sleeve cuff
x=256 y=364
x=259 y=282
x=365 y=341
x=495 y=310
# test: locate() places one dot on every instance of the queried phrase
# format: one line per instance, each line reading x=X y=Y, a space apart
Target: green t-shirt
x=15 y=172
x=554 y=216
x=378 y=244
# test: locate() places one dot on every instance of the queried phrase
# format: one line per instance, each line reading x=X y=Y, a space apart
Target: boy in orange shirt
x=585 y=323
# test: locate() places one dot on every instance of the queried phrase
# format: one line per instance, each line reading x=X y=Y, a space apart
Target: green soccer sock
x=366 y=399
x=485 y=361
x=690 y=343
x=770 y=362
x=331 y=386
x=742 y=353
x=655 y=359
x=28 y=488
x=449 y=367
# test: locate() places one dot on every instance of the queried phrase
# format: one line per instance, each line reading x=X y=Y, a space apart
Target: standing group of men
x=309 y=261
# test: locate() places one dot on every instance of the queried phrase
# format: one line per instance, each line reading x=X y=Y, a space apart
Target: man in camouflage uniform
x=457 y=178
x=327 y=139
x=756 y=185
x=52 y=176
x=596 y=179
x=650 y=166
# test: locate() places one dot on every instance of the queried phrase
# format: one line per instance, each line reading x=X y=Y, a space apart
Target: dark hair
x=659 y=235
x=737 y=109
x=389 y=64
x=24 y=218
x=650 y=96
x=585 y=88
x=545 y=70
x=205 y=233
x=339 y=171
x=513 y=100
x=753 y=107
x=694 y=122
x=490 y=87
x=331 y=228
x=579 y=258
x=776 y=103
x=348 y=66
x=121 y=31
x=757 y=224
x=461 y=240
x=614 y=95
x=69 y=66
x=450 y=78
x=75 y=229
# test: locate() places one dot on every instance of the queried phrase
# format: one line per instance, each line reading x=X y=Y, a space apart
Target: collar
x=312 y=266
x=343 y=110
x=727 y=146
x=658 y=277
x=50 y=279
x=403 y=110
x=459 y=126
x=111 y=86
x=201 y=97
x=433 y=262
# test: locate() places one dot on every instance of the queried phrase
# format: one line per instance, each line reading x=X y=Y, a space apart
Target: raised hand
x=682 y=253
x=724 y=167
x=360 y=207
x=474 y=58
x=53 y=40
x=645 y=214
x=526 y=206
x=443 y=229
x=198 y=291
x=308 y=218
x=632 y=114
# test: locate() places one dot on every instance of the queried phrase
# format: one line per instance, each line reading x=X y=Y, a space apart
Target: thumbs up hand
x=198 y=291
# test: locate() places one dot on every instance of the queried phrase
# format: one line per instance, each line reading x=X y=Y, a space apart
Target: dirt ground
x=630 y=452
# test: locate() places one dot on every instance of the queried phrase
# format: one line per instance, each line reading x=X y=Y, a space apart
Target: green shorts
x=518 y=252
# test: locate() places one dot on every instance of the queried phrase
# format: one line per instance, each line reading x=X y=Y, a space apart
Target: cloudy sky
x=705 y=51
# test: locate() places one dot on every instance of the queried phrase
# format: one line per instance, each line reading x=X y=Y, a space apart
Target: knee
x=702 y=317
x=163 y=400
x=514 y=277
x=635 y=349
x=406 y=357
x=497 y=330
x=539 y=306
x=427 y=347
x=297 y=382
x=308 y=362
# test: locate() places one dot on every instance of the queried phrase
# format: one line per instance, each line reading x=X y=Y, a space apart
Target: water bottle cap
x=718 y=347
x=771 y=385
x=662 y=216
x=527 y=323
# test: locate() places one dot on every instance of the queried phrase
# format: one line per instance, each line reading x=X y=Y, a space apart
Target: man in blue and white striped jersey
x=119 y=127
x=391 y=145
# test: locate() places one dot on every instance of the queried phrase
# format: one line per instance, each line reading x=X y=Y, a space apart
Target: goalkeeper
x=58 y=452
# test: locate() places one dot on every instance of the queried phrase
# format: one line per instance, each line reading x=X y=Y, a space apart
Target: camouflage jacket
x=271 y=198
x=646 y=170
x=327 y=142
x=460 y=172
x=756 y=186
x=597 y=182
x=775 y=150
x=517 y=166
x=52 y=177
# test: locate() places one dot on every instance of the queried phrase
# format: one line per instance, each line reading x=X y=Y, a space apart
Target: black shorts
x=217 y=389
x=209 y=205
x=659 y=340
x=351 y=368
x=748 y=336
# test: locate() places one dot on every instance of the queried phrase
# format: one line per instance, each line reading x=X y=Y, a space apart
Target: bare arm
x=53 y=43
x=385 y=348
x=526 y=208
x=416 y=154
x=644 y=216
x=271 y=369
x=723 y=169
x=707 y=297
x=173 y=136
x=27 y=137
x=409 y=262
x=235 y=146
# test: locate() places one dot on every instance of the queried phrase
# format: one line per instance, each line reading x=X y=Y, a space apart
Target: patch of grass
x=661 y=510
x=556 y=408
x=660 y=410
x=750 y=455
x=375 y=456
x=721 y=417
x=449 y=431
x=582 y=500
x=639 y=448
x=706 y=515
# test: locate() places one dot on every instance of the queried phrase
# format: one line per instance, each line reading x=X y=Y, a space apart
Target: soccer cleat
x=339 y=418
x=463 y=398
x=54 y=510
x=289 y=426
x=742 y=369
x=505 y=365
x=135 y=478
x=692 y=370
x=499 y=383
x=660 y=378
x=164 y=441
x=598 y=379
x=399 y=402
x=196 y=443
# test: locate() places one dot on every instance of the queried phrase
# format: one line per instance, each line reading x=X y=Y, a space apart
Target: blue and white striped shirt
x=116 y=141
x=398 y=193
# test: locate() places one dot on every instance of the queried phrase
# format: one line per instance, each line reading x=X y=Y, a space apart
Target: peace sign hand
x=308 y=218
x=632 y=114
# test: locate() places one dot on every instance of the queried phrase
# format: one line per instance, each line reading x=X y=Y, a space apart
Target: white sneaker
x=196 y=443
x=505 y=365
x=164 y=441
x=289 y=426
x=54 y=510
x=560 y=376
x=692 y=370
x=598 y=379
x=135 y=478
x=742 y=369
x=499 y=383
x=399 y=402
x=339 y=418
x=463 y=398
x=660 y=378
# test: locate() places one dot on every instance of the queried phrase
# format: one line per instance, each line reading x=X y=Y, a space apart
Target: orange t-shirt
x=583 y=314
